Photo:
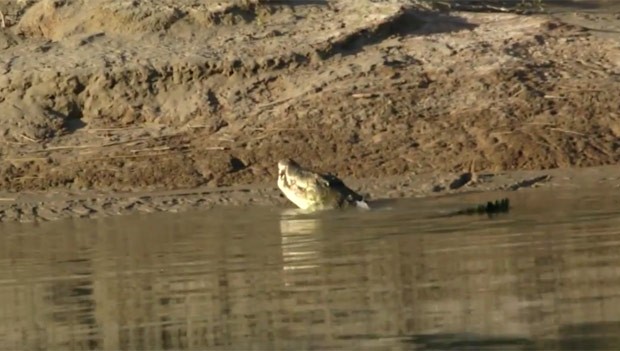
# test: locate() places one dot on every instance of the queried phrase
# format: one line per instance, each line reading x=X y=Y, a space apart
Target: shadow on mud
x=407 y=22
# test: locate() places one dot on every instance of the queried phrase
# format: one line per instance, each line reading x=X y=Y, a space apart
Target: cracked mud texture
x=109 y=96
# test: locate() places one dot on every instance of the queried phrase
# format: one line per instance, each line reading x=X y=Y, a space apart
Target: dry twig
x=567 y=131
x=28 y=138
x=95 y=130
x=365 y=95
x=90 y=146
x=25 y=159
x=472 y=172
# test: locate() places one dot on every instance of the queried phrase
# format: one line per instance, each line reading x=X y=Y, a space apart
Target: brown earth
x=156 y=95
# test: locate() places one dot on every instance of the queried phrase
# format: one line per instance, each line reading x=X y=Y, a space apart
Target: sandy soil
x=117 y=106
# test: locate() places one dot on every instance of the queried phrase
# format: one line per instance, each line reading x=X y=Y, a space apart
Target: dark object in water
x=490 y=208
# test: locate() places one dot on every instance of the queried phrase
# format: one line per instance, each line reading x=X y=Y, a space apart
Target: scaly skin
x=313 y=191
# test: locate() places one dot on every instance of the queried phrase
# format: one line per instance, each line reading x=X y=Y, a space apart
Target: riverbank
x=118 y=107
x=56 y=205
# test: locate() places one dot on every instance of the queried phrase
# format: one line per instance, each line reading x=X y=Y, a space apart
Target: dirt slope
x=163 y=94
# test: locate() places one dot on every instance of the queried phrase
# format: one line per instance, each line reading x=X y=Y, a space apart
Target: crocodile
x=310 y=190
x=490 y=208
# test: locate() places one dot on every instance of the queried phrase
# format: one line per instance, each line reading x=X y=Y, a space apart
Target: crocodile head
x=296 y=185
x=287 y=166
x=310 y=190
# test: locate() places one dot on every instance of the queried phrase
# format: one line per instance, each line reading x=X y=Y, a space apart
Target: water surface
x=545 y=276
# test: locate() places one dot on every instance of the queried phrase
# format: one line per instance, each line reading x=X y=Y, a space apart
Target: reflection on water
x=545 y=276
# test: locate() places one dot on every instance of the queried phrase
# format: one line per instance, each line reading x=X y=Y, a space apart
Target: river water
x=544 y=276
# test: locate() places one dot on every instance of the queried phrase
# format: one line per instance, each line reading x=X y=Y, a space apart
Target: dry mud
x=115 y=106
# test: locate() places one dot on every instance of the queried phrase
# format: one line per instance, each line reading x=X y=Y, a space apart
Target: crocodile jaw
x=292 y=192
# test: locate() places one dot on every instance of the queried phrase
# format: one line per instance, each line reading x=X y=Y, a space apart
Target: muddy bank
x=36 y=206
x=156 y=96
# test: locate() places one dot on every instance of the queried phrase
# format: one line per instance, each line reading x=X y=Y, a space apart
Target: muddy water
x=545 y=276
